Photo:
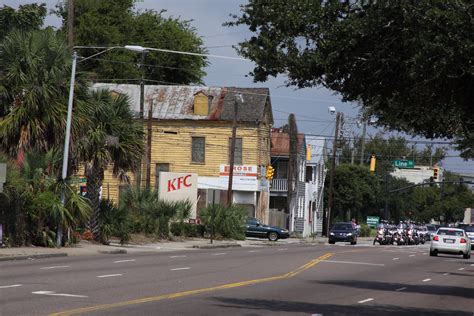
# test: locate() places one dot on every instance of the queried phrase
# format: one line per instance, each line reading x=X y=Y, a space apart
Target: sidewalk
x=85 y=248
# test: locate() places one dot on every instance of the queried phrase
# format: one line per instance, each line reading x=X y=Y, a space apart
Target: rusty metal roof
x=176 y=102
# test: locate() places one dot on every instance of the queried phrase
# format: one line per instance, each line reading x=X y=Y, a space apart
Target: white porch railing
x=279 y=185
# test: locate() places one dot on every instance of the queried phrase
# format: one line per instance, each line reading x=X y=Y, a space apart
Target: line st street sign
x=404 y=164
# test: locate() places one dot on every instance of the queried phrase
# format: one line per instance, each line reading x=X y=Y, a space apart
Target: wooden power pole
x=149 y=141
x=232 y=151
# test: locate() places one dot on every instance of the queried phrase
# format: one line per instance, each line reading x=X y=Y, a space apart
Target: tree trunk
x=292 y=165
x=95 y=177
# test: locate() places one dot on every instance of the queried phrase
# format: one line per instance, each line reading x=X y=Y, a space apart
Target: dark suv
x=343 y=231
x=254 y=228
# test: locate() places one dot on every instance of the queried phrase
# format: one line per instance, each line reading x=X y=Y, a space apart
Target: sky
x=310 y=105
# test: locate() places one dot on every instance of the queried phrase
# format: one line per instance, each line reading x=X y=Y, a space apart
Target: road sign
x=404 y=164
x=373 y=221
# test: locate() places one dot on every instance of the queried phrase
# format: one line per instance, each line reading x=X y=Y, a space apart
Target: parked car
x=431 y=230
x=469 y=229
x=451 y=241
x=343 y=231
x=254 y=228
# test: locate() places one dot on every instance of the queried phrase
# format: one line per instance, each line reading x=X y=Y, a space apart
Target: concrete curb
x=113 y=251
x=216 y=246
x=29 y=257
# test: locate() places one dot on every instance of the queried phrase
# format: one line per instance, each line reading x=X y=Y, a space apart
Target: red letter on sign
x=171 y=186
x=186 y=184
x=180 y=180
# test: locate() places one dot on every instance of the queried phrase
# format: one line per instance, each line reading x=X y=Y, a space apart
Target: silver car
x=451 y=241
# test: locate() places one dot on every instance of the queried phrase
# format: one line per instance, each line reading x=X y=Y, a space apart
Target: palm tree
x=114 y=140
x=34 y=71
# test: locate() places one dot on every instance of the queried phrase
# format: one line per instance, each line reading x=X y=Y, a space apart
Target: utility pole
x=387 y=196
x=70 y=24
x=142 y=106
x=232 y=151
x=149 y=138
x=353 y=151
x=362 y=147
x=333 y=171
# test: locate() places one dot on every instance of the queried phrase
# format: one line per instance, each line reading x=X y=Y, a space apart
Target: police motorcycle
x=400 y=236
x=383 y=235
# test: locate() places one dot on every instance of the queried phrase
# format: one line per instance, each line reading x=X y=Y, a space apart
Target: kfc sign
x=174 y=186
x=179 y=182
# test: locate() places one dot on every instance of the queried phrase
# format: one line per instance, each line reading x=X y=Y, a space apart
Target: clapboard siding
x=171 y=143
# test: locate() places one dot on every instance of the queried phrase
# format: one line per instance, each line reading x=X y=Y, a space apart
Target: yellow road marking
x=192 y=292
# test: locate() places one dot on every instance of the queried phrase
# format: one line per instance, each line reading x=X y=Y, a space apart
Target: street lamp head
x=136 y=48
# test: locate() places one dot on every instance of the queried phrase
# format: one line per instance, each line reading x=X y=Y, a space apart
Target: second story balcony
x=279 y=185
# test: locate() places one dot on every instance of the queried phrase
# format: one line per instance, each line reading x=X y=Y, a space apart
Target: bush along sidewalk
x=224 y=221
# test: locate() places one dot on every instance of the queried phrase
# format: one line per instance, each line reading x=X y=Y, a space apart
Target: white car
x=451 y=241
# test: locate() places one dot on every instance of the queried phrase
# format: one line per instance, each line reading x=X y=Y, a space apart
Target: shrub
x=227 y=222
x=364 y=230
x=186 y=229
x=113 y=221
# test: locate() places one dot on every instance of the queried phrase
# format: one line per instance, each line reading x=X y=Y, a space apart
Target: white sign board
x=178 y=187
x=244 y=177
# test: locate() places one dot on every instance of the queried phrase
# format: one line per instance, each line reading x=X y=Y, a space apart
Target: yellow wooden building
x=191 y=132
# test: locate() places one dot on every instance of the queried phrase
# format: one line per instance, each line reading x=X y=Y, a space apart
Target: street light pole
x=69 y=123
x=333 y=171
x=66 y=144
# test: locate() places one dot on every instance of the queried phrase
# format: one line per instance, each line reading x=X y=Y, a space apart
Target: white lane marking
x=254 y=250
x=109 y=275
x=472 y=265
x=128 y=260
x=9 y=286
x=426 y=280
x=219 y=254
x=366 y=300
x=355 y=262
x=395 y=259
x=57 y=294
x=54 y=267
x=401 y=289
x=180 y=256
x=316 y=314
x=460 y=269
x=282 y=249
x=411 y=255
x=177 y=269
x=447 y=273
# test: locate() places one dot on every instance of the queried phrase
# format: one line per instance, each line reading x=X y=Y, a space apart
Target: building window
x=160 y=167
x=282 y=170
x=198 y=149
x=237 y=152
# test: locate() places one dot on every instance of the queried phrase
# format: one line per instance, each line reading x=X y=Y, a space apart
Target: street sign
x=373 y=221
x=404 y=164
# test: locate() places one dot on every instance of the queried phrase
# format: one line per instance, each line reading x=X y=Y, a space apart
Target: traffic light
x=372 y=163
x=270 y=172
x=435 y=172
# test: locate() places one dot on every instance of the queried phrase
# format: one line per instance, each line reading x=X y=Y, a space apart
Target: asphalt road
x=287 y=280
